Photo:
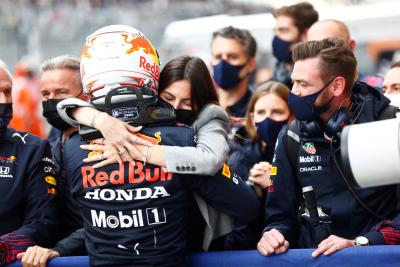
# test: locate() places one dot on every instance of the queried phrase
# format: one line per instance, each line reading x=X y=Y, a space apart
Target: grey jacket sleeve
x=69 y=103
x=211 y=127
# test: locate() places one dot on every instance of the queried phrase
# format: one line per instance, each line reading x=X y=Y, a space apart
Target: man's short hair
x=303 y=15
x=395 y=65
x=336 y=59
x=63 y=62
x=243 y=36
x=4 y=67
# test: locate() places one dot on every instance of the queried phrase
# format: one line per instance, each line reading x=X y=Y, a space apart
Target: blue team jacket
x=315 y=167
x=27 y=187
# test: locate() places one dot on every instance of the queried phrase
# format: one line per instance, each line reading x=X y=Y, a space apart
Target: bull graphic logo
x=140 y=42
x=85 y=50
x=154 y=140
x=4 y=170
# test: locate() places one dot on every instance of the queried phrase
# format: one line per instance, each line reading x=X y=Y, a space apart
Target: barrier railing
x=373 y=256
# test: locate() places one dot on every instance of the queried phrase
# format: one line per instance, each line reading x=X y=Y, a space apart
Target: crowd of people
x=143 y=165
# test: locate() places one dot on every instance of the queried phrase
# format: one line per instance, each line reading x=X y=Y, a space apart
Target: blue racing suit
x=135 y=214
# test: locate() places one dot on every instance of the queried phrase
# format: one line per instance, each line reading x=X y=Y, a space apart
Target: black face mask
x=6 y=112
x=185 y=116
x=51 y=114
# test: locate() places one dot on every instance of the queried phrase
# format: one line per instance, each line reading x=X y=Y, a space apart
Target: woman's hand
x=259 y=174
x=120 y=138
x=106 y=153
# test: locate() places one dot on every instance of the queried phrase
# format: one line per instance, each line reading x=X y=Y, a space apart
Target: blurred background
x=35 y=30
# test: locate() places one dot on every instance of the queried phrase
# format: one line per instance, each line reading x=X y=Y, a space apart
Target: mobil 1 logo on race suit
x=133 y=209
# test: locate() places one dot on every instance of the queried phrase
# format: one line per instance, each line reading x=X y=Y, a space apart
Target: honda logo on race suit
x=4 y=170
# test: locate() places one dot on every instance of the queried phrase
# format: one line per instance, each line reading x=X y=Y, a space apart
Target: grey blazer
x=212 y=149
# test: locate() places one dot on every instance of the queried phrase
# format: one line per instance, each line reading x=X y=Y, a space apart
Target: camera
x=371 y=152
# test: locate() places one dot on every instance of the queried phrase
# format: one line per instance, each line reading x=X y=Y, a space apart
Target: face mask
x=268 y=129
x=51 y=114
x=185 y=116
x=303 y=107
x=281 y=49
x=226 y=75
x=6 y=111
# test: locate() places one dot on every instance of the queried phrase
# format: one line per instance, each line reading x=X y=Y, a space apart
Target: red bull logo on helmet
x=140 y=42
x=85 y=50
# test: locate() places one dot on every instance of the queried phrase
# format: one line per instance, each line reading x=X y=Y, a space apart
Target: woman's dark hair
x=194 y=70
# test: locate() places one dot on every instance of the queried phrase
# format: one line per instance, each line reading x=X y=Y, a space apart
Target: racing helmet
x=118 y=55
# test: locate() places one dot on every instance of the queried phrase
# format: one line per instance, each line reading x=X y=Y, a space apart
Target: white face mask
x=394 y=99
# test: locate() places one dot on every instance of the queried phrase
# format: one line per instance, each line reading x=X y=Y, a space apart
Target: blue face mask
x=269 y=129
x=5 y=115
x=226 y=75
x=303 y=107
x=281 y=49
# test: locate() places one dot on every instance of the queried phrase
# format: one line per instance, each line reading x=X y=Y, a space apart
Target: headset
x=333 y=127
x=335 y=124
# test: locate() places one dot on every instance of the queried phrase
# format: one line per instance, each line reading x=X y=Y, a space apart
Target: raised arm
x=206 y=158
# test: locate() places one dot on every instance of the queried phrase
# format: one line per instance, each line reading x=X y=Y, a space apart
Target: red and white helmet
x=118 y=55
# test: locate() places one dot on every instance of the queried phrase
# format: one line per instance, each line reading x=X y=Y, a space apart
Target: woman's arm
x=118 y=133
x=206 y=158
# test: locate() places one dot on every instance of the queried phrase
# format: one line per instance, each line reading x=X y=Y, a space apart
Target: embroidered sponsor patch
x=51 y=191
x=310 y=159
x=154 y=140
x=311 y=169
x=309 y=148
x=46 y=159
x=226 y=171
x=8 y=159
x=50 y=180
x=271 y=189
x=274 y=170
x=5 y=172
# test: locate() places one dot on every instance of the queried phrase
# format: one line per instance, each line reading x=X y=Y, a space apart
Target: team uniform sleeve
x=385 y=233
x=228 y=193
x=72 y=245
x=282 y=207
x=40 y=220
